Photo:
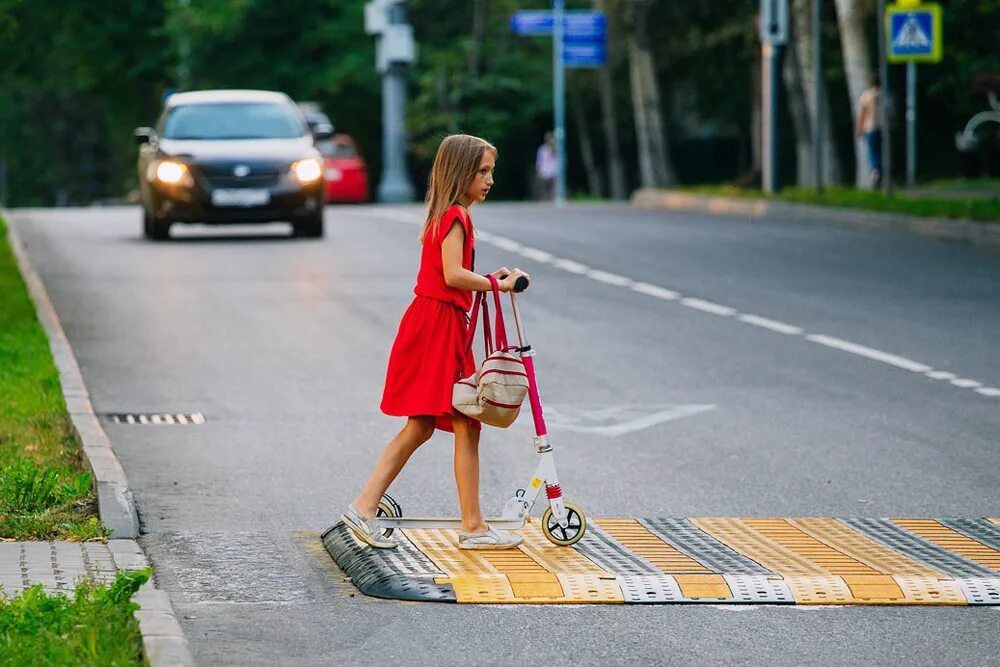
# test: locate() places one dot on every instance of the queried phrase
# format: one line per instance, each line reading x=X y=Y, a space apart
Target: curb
x=941 y=228
x=163 y=641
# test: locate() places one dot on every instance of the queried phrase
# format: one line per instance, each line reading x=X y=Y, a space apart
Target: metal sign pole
x=559 y=96
x=883 y=102
x=911 y=124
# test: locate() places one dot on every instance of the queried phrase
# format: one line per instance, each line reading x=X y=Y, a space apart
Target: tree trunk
x=803 y=43
x=613 y=153
x=851 y=18
x=586 y=148
x=655 y=167
x=798 y=109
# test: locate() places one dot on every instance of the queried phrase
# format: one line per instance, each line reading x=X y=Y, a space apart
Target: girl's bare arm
x=455 y=275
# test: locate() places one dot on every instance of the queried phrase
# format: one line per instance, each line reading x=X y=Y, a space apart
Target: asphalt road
x=847 y=373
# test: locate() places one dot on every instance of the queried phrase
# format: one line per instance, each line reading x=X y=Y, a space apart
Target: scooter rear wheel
x=569 y=535
x=388 y=507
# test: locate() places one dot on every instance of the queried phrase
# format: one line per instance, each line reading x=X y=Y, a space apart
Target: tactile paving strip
x=715 y=555
x=703 y=560
x=981 y=530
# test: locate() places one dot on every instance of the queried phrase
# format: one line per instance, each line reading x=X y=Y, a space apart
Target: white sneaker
x=368 y=531
x=493 y=538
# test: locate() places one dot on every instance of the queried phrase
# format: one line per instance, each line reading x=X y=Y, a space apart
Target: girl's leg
x=467 y=475
x=416 y=432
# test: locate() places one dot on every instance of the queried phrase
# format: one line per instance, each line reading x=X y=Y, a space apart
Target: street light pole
x=395 y=50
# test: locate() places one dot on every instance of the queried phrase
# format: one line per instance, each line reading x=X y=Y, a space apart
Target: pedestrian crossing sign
x=914 y=32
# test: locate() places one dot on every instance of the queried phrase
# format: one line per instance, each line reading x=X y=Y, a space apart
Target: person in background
x=869 y=124
x=546 y=169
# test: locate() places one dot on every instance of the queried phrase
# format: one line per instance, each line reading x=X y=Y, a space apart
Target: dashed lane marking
x=706 y=306
x=709 y=560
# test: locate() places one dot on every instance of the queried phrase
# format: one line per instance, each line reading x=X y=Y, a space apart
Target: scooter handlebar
x=520 y=284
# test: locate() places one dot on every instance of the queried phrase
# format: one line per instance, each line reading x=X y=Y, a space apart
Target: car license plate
x=333 y=174
x=242 y=197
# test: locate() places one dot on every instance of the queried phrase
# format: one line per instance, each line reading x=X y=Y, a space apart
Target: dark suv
x=230 y=156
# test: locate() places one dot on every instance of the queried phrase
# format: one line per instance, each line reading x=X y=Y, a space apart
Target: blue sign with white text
x=585 y=34
x=576 y=24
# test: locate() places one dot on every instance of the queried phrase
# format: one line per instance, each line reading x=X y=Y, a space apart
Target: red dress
x=427 y=356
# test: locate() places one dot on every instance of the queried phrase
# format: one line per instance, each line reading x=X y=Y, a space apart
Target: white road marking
x=130 y=419
x=870 y=353
x=143 y=419
x=616 y=420
x=703 y=305
x=181 y=419
x=198 y=418
x=536 y=254
x=773 y=325
x=506 y=244
x=169 y=418
x=609 y=278
x=571 y=266
x=708 y=306
x=655 y=291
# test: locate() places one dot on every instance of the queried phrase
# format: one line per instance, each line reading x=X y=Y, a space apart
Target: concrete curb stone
x=941 y=228
x=163 y=640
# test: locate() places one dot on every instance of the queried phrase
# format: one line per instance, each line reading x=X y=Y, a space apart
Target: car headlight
x=307 y=171
x=170 y=172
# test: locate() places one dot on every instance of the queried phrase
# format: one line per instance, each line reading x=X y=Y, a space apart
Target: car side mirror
x=322 y=131
x=143 y=135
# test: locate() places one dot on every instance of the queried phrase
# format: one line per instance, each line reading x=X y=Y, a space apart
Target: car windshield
x=232 y=121
x=336 y=149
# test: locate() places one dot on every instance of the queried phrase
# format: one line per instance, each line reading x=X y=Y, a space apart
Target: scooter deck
x=445 y=522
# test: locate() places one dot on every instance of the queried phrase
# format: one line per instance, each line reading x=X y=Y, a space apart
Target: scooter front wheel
x=571 y=533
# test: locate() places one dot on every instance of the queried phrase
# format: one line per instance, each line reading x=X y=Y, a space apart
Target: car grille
x=221 y=176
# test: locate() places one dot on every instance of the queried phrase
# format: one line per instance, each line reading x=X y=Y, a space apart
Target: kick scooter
x=562 y=523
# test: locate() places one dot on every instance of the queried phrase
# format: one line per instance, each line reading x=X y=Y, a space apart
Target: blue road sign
x=914 y=33
x=576 y=24
x=585 y=54
x=585 y=34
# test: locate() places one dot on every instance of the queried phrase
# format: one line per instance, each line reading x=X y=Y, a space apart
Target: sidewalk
x=58 y=566
x=941 y=228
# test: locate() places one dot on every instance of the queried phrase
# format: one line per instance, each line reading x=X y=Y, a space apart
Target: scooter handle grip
x=520 y=284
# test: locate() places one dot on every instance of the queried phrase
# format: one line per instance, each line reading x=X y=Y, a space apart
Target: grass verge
x=95 y=626
x=45 y=493
x=982 y=210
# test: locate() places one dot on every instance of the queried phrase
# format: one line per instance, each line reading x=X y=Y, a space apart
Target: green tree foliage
x=77 y=76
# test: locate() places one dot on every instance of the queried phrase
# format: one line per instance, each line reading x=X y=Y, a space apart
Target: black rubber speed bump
x=395 y=574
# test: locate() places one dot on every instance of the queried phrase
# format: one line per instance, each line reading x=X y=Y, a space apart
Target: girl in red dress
x=429 y=352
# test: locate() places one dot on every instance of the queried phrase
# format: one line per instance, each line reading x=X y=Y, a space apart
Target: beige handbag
x=494 y=393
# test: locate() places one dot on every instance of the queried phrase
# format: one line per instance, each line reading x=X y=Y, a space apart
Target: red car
x=345 y=170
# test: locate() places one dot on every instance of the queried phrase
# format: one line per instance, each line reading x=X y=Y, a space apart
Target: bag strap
x=500 y=337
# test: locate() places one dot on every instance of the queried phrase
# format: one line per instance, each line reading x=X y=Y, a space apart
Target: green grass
x=983 y=210
x=95 y=626
x=44 y=491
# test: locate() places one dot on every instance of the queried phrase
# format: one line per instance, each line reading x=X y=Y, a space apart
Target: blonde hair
x=455 y=167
